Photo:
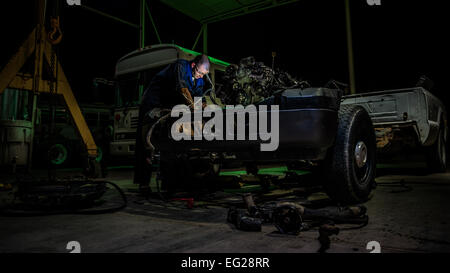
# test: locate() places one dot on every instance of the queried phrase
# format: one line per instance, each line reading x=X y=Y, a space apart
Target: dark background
x=394 y=44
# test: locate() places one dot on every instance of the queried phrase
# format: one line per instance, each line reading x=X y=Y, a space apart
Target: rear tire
x=350 y=164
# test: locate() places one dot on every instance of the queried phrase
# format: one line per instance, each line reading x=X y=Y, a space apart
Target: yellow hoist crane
x=40 y=43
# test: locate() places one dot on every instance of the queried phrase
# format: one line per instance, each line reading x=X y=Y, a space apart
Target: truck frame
x=336 y=134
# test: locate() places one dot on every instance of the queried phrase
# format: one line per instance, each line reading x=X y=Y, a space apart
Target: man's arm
x=187 y=95
x=190 y=101
x=181 y=84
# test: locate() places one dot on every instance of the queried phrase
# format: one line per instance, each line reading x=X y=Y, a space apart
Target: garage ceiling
x=216 y=10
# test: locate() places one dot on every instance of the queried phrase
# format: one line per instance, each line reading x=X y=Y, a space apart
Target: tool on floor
x=292 y=218
x=287 y=218
x=325 y=231
x=241 y=219
x=189 y=201
x=247 y=220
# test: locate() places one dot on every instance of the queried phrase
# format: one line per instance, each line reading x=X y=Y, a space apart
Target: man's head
x=200 y=66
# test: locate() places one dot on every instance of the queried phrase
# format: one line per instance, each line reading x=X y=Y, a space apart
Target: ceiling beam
x=247 y=9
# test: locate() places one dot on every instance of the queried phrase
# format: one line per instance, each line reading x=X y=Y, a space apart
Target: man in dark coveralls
x=176 y=84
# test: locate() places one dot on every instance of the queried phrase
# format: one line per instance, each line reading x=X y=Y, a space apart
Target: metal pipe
x=248 y=9
x=142 y=25
x=110 y=16
x=205 y=39
x=153 y=23
x=351 y=68
x=37 y=74
x=141 y=44
x=198 y=37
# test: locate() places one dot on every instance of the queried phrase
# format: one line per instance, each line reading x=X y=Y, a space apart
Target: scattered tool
x=189 y=201
x=248 y=220
x=287 y=218
x=325 y=231
x=292 y=218
x=241 y=219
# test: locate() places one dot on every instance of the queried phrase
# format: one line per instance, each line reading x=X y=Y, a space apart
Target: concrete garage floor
x=410 y=218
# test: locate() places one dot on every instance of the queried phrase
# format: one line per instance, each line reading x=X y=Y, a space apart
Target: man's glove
x=187 y=95
x=189 y=100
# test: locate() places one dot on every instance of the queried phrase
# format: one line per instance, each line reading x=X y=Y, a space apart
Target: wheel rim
x=362 y=164
x=58 y=154
x=361 y=154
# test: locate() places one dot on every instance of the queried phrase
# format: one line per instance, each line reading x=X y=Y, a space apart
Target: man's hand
x=189 y=100
x=187 y=95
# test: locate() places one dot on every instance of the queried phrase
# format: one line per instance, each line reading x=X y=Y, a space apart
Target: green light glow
x=61 y=154
x=213 y=60
x=272 y=171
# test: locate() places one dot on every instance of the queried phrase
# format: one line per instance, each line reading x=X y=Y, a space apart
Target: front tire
x=350 y=163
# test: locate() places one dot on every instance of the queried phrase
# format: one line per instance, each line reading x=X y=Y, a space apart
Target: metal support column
x=198 y=37
x=37 y=75
x=104 y=14
x=142 y=26
x=141 y=43
x=153 y=23
x=351 y=68
x=205 y=39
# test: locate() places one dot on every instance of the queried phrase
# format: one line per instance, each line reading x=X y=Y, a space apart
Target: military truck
x=410 y=116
